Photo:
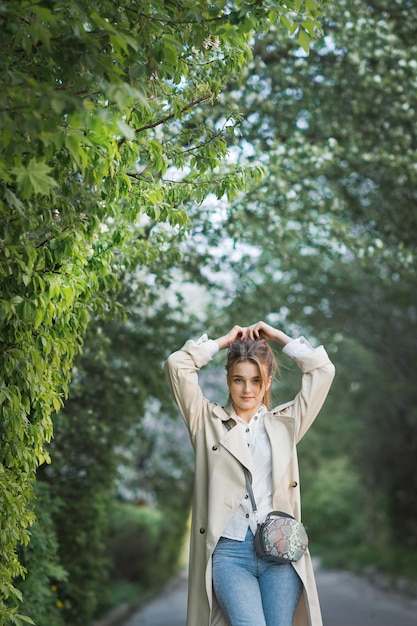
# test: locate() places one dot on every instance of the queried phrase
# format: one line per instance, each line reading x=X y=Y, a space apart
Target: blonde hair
x=259 y=352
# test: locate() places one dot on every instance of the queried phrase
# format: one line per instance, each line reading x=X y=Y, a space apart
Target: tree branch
x=162 y=20
x=169 y=117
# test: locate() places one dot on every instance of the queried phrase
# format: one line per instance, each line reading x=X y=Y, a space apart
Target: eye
x=237 y=380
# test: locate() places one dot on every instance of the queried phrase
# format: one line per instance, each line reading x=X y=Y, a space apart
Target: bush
x=334 y=511
x=81 y=524
x=40 y=588
x=145 y=543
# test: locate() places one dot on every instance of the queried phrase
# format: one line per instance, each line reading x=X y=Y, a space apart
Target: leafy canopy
x=101 y=152
x=326 y=240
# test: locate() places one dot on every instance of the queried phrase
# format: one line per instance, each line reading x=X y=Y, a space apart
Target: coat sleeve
x=181 y=369
x=318 y=373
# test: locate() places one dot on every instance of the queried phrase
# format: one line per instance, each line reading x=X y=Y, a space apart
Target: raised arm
x=318 y=372
x=182 y=369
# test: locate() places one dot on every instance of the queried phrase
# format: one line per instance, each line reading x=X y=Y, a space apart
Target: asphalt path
x=167 y=609
x=346 y=600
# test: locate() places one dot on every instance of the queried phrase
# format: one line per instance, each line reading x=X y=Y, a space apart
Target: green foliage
x=106 y=432
x=325 y=243
x=145 y=544
x=79 y=529
x=101 y=152
x=331 y=505
x=40 y=587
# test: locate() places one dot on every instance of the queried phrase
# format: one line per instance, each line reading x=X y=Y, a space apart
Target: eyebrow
x=241 y=376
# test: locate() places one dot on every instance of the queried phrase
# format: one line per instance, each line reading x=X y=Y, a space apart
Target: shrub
x=333 y=509
x=145 y=544
x=41 y=586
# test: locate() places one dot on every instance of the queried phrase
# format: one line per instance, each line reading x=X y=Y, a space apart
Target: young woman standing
x=229 y=584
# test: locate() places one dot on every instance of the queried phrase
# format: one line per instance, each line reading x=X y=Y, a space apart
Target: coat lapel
x=233 y=439
x=234 y=442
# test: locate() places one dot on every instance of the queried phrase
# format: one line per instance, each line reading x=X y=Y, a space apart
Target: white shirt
x=258 y=441
x=260 y=448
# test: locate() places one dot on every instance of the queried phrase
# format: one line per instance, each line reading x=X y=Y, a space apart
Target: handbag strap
x=250 y=490
x=247 y=478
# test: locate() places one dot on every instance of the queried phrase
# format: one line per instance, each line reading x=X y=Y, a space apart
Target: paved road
x=168 y=609
x=346 y=601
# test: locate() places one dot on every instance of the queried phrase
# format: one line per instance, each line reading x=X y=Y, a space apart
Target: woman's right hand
x=233 y=335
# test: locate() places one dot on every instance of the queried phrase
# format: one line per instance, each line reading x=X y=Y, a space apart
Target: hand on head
x=254 y=331
x=259 y=330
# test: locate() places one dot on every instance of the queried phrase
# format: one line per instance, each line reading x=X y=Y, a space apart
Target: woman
x=228 y=583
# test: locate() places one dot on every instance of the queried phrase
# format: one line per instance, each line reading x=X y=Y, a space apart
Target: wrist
x=282 y=338
x=222 y=342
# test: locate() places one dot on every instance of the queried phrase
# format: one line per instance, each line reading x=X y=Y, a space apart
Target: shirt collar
x=259 y=414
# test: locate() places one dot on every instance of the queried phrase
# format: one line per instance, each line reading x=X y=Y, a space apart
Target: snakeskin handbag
x=281 y=538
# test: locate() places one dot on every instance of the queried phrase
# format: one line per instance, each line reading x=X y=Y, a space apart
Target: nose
x=247 y=386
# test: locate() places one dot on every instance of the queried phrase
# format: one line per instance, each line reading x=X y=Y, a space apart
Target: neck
x=246 y=416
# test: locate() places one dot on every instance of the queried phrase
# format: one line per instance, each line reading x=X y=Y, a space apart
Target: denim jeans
x=250 y=590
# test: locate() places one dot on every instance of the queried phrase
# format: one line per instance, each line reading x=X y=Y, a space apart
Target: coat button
x=202 y=531
x=246 y=497
x=214 y=448
x=294 y=483
x=247 y=515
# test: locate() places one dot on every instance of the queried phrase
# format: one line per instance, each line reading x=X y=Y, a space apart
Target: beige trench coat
x=219 y=484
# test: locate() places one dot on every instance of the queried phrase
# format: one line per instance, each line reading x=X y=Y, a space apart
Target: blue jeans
x=250 y=590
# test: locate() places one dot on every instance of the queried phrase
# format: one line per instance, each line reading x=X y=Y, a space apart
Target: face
x=246 y=390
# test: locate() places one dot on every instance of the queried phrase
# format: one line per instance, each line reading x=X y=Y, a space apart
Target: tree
x=326 y=239
x=116 y=385
x=100 y=154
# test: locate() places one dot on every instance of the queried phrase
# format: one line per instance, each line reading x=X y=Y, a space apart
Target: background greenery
x=167 y=169
x=328 y=248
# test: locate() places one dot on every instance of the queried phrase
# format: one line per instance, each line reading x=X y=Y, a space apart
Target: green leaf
x=14 y=201
x=16 y=300
x=38 y=317
x=73 y=145
x=18 y=618
x=290 y=26
x=34 y=178
x=126 y=130
x=312 y=6
x=304 y=40
x=170 y=55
